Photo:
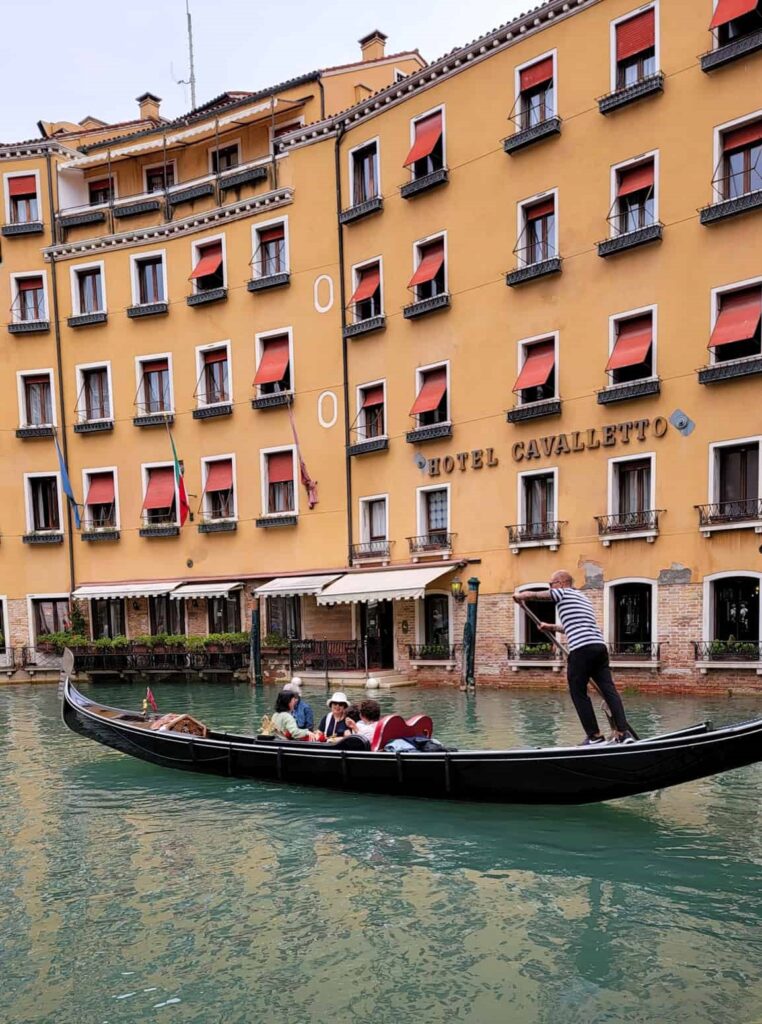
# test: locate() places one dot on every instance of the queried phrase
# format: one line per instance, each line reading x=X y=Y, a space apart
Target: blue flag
x=66 y=485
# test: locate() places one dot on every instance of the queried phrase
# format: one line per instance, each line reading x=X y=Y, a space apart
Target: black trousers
x=592 y=662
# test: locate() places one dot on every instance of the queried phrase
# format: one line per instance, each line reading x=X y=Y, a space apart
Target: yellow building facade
x=404 y=324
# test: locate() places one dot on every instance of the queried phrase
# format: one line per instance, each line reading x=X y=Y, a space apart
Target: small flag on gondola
x=150 y=699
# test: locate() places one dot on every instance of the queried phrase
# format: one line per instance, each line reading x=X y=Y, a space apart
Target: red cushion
x=394 y=727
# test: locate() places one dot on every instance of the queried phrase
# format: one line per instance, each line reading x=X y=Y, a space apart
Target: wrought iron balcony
x=31 y=227
x=541 y=650
x=272 y=401
x=727 y=650
x=729 y=369
x=434 y=543
x=424 y=306
x=634 y=650
x=649 y=86
x=631 y=239
x=724 y=208
x=206 y=295
x=240 y=176
x=534 y=410
x=147 y=309
x=137 y=207
x=424 y=183
x=93 y=426
x=211 y=412
x=370 y=444
x=153 y=419
x=747 y=512
x=187 y=195
x=82 y=215
x=629 y=390
x=373 y=323
x=218 y=526
x=431 y=652
x=360 y=210
x=527 y=136
x=374 y=550
x=158 y=525
x=734 y=50
x=547 y=534
x=98 y=533
x=276 y=520
x=644 y=521
x=326 y=655
x=29 y=432
x=7 y=660
x=134 y=658
x=43 y=537
x=86 y=319
x=29 y=327
x=532 y=271
x=260 y=284
x=432 y=432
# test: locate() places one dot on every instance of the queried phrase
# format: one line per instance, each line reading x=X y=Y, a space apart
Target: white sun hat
x=338 y=698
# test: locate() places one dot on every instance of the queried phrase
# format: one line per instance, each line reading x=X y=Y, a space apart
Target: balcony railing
x=634 y=650
x=524 y=137
x=727 y=650
x=728 y=369
x=731 y=196
x=731 y=51
x=648 y=86
x=326 y=655
x=424 y=183
x=547 y=534
x=631 y=239
x=539 y=651
x=641 y=521
x=436 y=542
x=725 y=513
x=156 y=524
x=431 y=652
x=372 y=549
x=134 y=658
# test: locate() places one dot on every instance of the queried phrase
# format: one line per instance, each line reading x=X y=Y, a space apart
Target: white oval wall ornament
x=323 y=307
x=327 y=421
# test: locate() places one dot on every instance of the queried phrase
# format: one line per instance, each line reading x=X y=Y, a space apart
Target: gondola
x=550 y=775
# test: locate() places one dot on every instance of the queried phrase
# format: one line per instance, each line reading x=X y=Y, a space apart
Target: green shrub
x=276 y=640
x=64 y=638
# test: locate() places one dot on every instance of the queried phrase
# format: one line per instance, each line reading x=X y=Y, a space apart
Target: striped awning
x=292 y=586
x=105 y=590
x=385 y=585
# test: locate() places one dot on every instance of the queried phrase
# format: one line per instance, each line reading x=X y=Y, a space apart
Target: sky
x=95 y=58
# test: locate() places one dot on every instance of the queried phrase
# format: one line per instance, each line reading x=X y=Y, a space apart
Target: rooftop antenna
x=191 y=81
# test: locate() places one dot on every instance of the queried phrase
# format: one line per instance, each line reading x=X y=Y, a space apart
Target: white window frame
x=21 y=392
x=520 y=635
x=719 y=131
x=216 y=149
x=145 y=468
x=136 y=258
x=438 y=109
x=159 y=166
x=206 y=462
x=521 y=513
x=652 y=156
x=420 y=372
x=713 y=484
x=357 y=269
x=417 y=258
x=612 y=508
x=715 y=296
x=31 y=598
x=255 y=243
x=707 y=615
x=7 y=193
x=420 y=624
x=609 y=617
x=615 y=319
x=98 y=177
x=364 y=505
x=420 y=501
x=612 y=38
x=89 y=472
x=553 y=55
x=23 y=275
x=375 y=141
x=259 y=347
x=212 y=346
x=521 y=347
x=99 y=265
x=359 y=398
x=399 y=76
x=80 y=369
x=139 y=361
x=263 y=453
x=29 y=518
x=202 y=243
x=522 y=223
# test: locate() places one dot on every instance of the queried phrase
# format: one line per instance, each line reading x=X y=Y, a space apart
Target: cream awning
x=190 y=590
x=290 y=586
x=123 y=590
x=386 y=585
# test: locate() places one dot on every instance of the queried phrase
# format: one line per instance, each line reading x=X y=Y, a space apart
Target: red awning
x=432 y=258
x=743 y=136
x=738 y=318
x=280 y=467
x=160 y=492
x=635 y=35
x=729 y=10
x=210 y=258
x=29 y=284
x=98 y=184
x=156 y=366
x=541 y=209
x=370 y=279
x=23 y=185
x=219 y=475
x=101 y=490
x=538 y=73
x=373 y=396
x=274 y=361
x=427 y=133
x=632 y=344
x=537 y=366
x=432 y=392
x=634 y=179
x=276 y=234
x=215 y=355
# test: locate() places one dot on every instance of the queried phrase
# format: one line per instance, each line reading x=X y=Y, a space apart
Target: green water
x=130 y=893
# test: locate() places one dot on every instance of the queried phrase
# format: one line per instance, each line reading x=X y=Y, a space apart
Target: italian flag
x=179 y=482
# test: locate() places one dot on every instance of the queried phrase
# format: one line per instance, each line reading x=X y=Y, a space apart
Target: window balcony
x=147 y=309
x=370 y=444
x=273 y=401
x=641 y=525
x=533 y=271
x=372 y=551
x=29 y=432
x=373 y=323
x=722 y=209
x=43 y=537
x=208 y=525
x=438 y=542
x=158 y=526
x=734 y=50
x=534 y=535
x=424 y=306
x=361 y=210
x=430 y=433
x=31 y=227
x=153 y=419
x=629 y=390
x=78 y=216
x=431 y=652
x=206 y=296
x=93 y=426
x=631 y=239
x=425 y=183
x=211 y=412
x=261 y=284
x=649 y=86
x=524 y=137
x=98 y=533
x=188 y=193
x=542 y=654
x=730 y=369
x=276 y=520
x=728 y=653
x=730 y=515
x=29 y=327
x=243 y=174
x=136 y=206
x=634 y=654
x=534 y=410
x=87 y=319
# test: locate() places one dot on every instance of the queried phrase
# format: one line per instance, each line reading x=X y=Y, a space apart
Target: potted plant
x=275 y=641
x=142 y=644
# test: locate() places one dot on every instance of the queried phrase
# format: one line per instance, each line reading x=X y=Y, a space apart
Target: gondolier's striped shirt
x=577 y=617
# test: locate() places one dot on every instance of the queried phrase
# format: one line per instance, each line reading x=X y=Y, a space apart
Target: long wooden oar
x=564 y=651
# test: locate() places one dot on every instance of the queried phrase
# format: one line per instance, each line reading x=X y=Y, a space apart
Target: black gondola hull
x=559 y=775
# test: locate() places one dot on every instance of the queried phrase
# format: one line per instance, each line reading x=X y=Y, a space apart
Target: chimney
x=149 y=107
x=373 y=45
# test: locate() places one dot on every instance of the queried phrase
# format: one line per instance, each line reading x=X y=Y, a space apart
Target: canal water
x=130 y=893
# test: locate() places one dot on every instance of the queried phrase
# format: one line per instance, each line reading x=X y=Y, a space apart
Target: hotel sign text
x=581 y=440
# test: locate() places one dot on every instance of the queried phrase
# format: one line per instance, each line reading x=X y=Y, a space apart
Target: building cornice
x=201 y=222
x=27 y=150
x=446 y=67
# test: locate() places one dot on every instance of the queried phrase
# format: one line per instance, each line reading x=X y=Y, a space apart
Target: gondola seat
x=180 y=723
x=394 y=727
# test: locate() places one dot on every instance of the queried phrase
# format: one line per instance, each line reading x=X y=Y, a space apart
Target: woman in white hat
x=336 y=723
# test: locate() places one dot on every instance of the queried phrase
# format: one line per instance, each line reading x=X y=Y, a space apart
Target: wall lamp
x=456 y=588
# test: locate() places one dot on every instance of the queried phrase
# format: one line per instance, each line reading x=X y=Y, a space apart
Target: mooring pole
x=469 y=635
x=256 y=644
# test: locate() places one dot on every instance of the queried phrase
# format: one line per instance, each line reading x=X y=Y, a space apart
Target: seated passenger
x=283 y=721
x=335 y=723
x=303 y=713
x=370 y=712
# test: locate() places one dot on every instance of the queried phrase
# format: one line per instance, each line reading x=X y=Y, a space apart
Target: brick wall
x=137 y=617
x=326 y=622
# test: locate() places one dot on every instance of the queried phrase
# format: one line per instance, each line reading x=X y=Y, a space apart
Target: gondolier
x=588 y=654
